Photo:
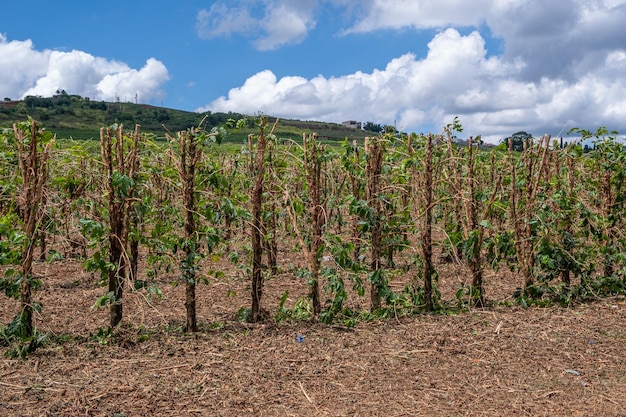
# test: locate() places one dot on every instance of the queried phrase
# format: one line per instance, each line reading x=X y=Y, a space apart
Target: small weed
x=102 y=336
x=17 y=340
x=244 y=314
x=302 y=309
x=217 y=325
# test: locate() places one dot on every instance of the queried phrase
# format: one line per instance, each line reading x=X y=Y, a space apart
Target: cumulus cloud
x=418 y=14
x=558 y=38
x=457 y=77
x=26 y=71
x=221 y=20
x=20 y=65
x=271 y=23
x=565 y=38
x=407 y=89
x=558 y=65
x=551 y=64
x=128 y=82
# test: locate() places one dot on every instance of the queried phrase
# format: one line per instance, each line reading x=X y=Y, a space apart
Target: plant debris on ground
x=490 y=362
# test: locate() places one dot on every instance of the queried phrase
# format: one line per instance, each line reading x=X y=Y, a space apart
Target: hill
x=72 y=116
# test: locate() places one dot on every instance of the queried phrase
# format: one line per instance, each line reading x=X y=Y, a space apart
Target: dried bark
x=257 y=171
x=33 y=165
x=190 y=154
x=313 y=170
x=523 y=203
x=374 y=151
x=427 y=240
x=118 y=160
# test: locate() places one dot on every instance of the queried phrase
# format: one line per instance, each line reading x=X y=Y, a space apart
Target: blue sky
x=501 y=66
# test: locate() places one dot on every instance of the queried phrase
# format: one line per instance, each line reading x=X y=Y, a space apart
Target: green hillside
x=71 y=116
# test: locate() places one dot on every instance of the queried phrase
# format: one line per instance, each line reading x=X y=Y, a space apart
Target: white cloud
x=284 y=24
x=220 y=20
x=457 y=77
x=20 y=64
x=550 y=64
x=558 y=38
x=565 y=38
x=145 y=82
x=27 y=71
x=271 y=23
x=419 y=14
x=404 y=85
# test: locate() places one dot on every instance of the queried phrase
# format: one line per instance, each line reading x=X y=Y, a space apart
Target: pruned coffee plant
x=30 y=149
x=376 y=222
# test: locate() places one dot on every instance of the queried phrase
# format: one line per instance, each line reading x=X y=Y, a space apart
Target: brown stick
x=33 y=167
x=120 y=163
x=373 y=173
x=256 y=197
x=189 y=156
x=426 y=246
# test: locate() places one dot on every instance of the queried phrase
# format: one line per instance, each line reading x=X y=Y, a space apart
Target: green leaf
x=108 y=298
x=122 y=183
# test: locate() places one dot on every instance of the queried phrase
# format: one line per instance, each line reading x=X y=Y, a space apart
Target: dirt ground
x=499 y=361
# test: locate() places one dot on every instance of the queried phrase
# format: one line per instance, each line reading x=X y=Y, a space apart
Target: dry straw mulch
x=502 y=361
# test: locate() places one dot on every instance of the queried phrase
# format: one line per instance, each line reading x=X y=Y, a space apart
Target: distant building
x=352 y=124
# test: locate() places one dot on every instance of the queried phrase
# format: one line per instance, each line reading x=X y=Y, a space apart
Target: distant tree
x=30 y=101
x=372 y=127
x=7 y=99
x=161 y=116
x=62 y=100
x=98 y=105
x=389 y=129
x=37 y=101
x=518 y=140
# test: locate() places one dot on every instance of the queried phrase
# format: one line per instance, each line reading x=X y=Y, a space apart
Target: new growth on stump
x=33 y=154
x=354 y=170
x=523 y=202
x=374 y=153
x=190 y=153
x=313 y=169
x=200 y=210
x=256 y=169
x=310 y=236
x=471 y=213
x=120 y=157
x=427 y=232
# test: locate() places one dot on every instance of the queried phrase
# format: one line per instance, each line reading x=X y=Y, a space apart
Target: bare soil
x=499 y=361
